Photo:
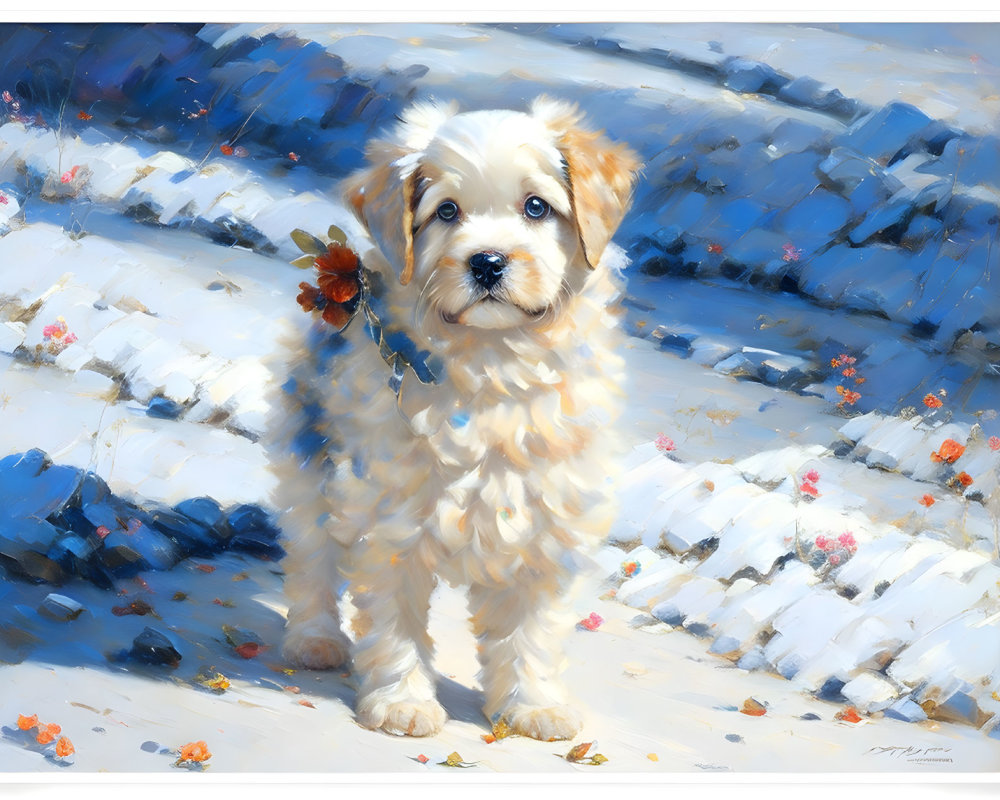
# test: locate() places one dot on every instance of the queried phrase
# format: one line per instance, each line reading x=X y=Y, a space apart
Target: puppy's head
x=495 y=217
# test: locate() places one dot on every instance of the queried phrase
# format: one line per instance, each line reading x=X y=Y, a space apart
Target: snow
x=797 y=204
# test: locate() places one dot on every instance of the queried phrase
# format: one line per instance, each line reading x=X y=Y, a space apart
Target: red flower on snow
x=949 y=452
x=994 y=443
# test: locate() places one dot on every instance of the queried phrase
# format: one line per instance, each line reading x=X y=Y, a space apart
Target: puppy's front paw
x=545 y=723
x=312 y=651
x=403 y=717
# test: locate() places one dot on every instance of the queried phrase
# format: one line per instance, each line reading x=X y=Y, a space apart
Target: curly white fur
x=491 y=477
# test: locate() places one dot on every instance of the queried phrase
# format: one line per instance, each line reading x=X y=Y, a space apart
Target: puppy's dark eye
x=447 y=211
x=536 y=208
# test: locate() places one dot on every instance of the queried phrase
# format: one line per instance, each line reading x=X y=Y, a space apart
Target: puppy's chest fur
x=510 y=456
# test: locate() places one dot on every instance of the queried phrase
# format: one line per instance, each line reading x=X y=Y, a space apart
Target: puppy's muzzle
x=487 y=268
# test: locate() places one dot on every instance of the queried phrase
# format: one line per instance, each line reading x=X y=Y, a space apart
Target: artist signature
x=914 y=755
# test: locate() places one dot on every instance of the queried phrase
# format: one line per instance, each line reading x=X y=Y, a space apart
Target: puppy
x=489 y=230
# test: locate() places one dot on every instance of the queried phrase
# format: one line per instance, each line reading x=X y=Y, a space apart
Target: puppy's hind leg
x=393 y=660
x=521 y=660
x=313 y=635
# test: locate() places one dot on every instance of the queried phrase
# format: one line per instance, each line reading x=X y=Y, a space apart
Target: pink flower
x=824 y=544
x=56 y=330
x=3 y=200
x=847 y=539
x=834 y=559
x=812 y=476
x=7 y=97
x=994 y=443
x=792 y=253
x=664 y=443
x=70 y=338
x=809 y=489
x=69 y=174
x=593 y=622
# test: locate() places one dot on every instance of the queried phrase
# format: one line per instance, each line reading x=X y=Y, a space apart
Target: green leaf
x=307 y=243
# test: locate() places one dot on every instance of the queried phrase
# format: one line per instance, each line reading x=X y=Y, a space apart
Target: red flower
x=593 y=622
x=950 y=451
x=809 y=489
x=3 y=200
x=27 y=723
x=69 y=174
x=824 y=544
x=994 y=443
x=64 y=747
x=664 y=443
x=964 y=478
x=293 y=156
x=47 y=733
x=715 y=248
x=195 y=751
x=227 y=149
x=927 y=500
x=850 y=372
x=84 y=116
x=932 y=401
x=812 y=476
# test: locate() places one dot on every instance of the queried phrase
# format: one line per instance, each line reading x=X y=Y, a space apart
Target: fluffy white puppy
x=490 y=227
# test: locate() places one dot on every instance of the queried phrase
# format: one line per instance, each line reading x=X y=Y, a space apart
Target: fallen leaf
x=597 y=759
x=489 y=738
x=249 y=650
x=578 y=752
x=455 y=760
x=753 y=708
x=849 y=714
x=205 y=568
x=178 y=596
x=241 y=577
x=501 y=730
x=652 y=757
x=422 y=758
x=293 y=689
x=306 y=703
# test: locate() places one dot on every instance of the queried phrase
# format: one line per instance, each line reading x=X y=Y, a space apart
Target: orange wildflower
x=64 y=747
x=850 y=372
x=850 y=714
x=932 y=401
x=195 y=751
x=950 y=451
x=27 y=723
x=964 y=478
x=47 y=733
x=927 y=500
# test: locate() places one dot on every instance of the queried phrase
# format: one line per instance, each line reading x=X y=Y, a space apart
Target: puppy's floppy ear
x=382 y=199
x=601 y=174
x=382 y=196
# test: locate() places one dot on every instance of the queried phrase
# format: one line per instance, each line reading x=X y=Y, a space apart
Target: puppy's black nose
x=487 y=268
